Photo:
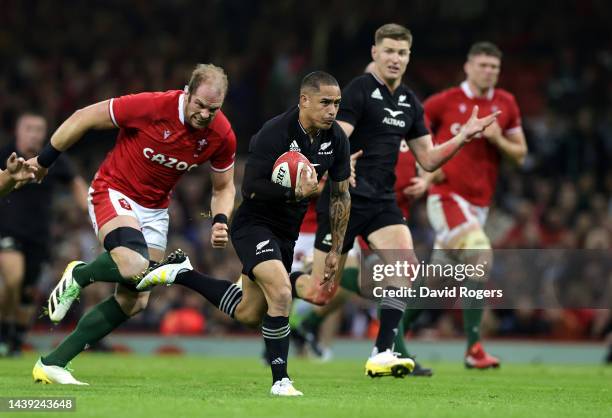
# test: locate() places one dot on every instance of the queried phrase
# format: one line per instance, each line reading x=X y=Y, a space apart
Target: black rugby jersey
x=381 y=120
x=26 y=212
x=329 y=151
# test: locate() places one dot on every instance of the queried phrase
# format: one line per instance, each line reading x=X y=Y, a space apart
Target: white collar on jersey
x=181 y=109
x=466 y=89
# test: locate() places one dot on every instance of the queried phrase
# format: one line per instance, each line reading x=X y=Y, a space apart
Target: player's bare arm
x=95 y=116
x=221 y=205
x=513 y=146
x=431 y=157
x=339 y=211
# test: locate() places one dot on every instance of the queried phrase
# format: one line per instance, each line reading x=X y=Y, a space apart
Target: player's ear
x=373 y=52
x=304 y=100
x=466 y=65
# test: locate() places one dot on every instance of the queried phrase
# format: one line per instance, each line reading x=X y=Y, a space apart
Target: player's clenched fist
x=307 y=184
x=331 y=267
x=219 y=235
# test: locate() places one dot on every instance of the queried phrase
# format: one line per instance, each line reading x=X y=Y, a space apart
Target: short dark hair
x=484 y=48
x=393 y=31
x=316 y=79
x=203 y=73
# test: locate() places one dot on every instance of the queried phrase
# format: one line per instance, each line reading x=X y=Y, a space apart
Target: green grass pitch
x=176 y=386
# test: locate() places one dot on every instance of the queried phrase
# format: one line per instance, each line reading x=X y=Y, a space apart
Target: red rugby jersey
x=155 y=147
x=472 y=172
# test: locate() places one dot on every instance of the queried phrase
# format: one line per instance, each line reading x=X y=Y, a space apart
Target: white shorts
x=106 y=204
x=304 y=249
x=451 y=216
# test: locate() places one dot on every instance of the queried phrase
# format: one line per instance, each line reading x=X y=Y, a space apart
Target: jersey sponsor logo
x=376 y=94
x=166 y=161
x=259 y=248
x=393 y=122
x=294 y=146
x=402 y=101
x=167 y=133
x=124 y=204
x=394 y=113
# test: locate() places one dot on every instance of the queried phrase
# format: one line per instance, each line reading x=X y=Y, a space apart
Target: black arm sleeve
x=265 y=147
x=256 y=187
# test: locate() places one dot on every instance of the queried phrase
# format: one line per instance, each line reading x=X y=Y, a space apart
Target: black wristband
x=220 y=218
x=48 y=155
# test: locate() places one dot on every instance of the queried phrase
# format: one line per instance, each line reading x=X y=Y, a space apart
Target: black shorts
x=363 y=220
x=257 y=243
x=35 y=256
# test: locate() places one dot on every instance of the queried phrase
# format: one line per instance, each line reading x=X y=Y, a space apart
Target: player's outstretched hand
x=418 y=187
x=475 y=125
x=354 y=158
x=331 y=268
x=219 y=236
x=307 y=183
x=20 y=170
x=40 y=172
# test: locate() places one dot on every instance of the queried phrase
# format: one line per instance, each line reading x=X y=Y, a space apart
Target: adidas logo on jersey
x=376 y=94
x=294 y=147
x=166 y=161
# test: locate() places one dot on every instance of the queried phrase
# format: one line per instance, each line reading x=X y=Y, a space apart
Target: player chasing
x=376 y=113
x=161 y=136
x=266 y=225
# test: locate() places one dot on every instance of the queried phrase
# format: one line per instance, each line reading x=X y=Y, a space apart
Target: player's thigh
x=253 y=306
x=12 y=267
x=391 y=237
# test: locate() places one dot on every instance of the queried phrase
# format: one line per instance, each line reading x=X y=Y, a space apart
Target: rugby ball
x=288 y=167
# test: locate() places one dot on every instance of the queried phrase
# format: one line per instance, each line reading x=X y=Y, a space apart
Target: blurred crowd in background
x=58 y=56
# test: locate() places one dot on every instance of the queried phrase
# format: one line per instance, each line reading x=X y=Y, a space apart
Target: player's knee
x=248 y=316
x=128 y=249
x=129 y=262
x=132 y=303
x=280 y=298
x=324 y=294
